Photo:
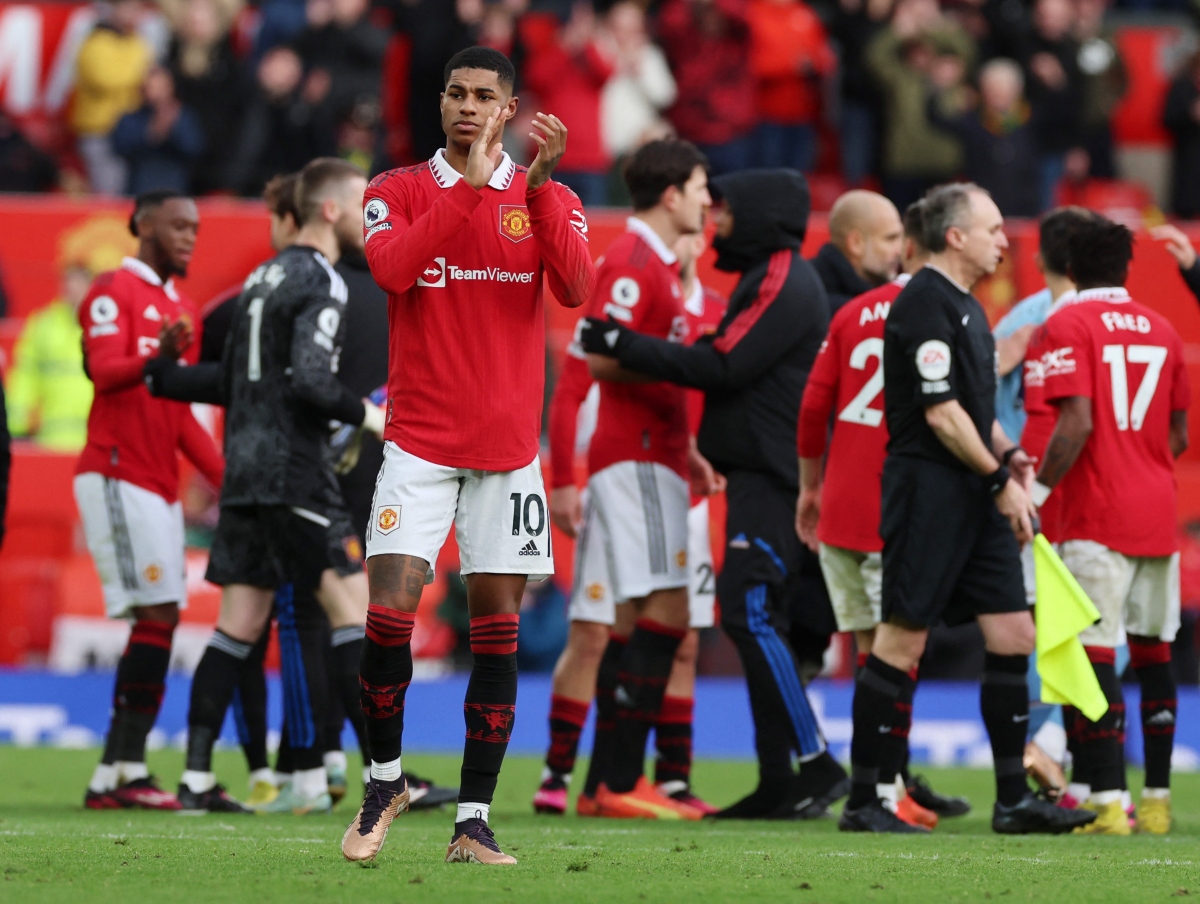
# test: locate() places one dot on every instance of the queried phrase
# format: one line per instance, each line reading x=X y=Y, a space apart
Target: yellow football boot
x=1154 y=815
x=1111 y=820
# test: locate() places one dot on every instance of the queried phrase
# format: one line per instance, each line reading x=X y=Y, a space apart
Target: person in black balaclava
x=753 y=371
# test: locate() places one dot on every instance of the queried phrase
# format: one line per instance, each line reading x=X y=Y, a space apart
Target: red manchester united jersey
x=133 y=436
x=637 y=284
x=1129 y=361
x=847 y=377
x=463 y=270
x=1040 y=418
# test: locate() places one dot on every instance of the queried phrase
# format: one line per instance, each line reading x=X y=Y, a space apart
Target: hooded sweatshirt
x=754 y=368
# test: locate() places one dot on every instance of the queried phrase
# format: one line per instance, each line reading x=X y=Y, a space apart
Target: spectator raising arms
x=708 y=45
x=641 y=86
x=161 y=140
x=790 y=55
x=569 y=74
x=109 y=72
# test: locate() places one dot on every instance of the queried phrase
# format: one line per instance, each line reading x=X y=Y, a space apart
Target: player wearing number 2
x=1115 y=371
x=461 y=245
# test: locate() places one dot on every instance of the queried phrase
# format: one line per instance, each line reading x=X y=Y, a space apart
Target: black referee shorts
x=948 y=553
x=272 y=545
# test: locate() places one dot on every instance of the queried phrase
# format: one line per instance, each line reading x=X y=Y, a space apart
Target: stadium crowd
x=216 y=96
x=691 y=105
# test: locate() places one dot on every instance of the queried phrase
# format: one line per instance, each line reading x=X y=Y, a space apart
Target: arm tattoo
x=1060 y=455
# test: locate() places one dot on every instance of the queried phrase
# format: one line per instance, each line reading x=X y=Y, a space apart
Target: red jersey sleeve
x=1067 y=364
x=574 y=381
x=399 y=248
x=560 y=229
x=1181 y=388
x=624 y=293
x=109 y=351
x=819 y=395
x=198 y=447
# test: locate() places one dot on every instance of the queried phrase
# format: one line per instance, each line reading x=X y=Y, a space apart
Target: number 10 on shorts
x=534 y=508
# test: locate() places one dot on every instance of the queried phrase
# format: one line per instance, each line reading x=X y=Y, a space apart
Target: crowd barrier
x=50 y=603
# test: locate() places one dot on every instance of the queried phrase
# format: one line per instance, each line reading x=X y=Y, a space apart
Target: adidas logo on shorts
x=529 y=549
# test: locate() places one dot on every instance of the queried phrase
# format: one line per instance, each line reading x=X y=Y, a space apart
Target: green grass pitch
x=52 y=850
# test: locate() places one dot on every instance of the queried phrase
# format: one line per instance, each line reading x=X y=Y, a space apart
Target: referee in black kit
x=953 y=513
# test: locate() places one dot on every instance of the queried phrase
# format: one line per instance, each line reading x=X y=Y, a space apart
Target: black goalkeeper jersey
x=279 y=374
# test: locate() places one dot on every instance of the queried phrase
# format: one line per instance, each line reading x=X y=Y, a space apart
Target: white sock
x=130 y=771
x=472 y=811
x=103 y=779
x=1053 y=739
x=309 y=784
x=262 y=775
x=1079 y=791
x=1101 y=798
x=1156 y=794
x=888 y=794
x=282 y=778
x=198 y=782
x=386 y=772
x=1126 y=800
x=366 y=774
x=335 y=760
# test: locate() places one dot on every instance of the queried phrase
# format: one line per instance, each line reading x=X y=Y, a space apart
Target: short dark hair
x=482 y=58
x=280 y=195
x=657 y=165
x=1054 y=236
x=946 y=206
x=151 y=200
x=914 y=223
x=1099 y=253
x=315 y=178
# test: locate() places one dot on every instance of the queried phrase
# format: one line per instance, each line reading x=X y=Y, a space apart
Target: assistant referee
x=952 y=515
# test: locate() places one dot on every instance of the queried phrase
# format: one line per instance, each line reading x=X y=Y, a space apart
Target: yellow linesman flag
x=1063 y=610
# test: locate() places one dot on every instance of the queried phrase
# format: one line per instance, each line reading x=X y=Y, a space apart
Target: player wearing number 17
x=1115 y=371
x=461 y=244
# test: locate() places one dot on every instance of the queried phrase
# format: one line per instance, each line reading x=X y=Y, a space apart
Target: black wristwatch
x=1007 y=456
x=997 y=480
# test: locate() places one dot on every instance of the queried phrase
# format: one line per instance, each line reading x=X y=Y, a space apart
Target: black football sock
x=138 y=692
x=285 y=763
x=216 y=677
x=1004 y=703
x=1152 y=665
x=895 y=744
x=567 y=718
x=250 y=706
x=1073 y=726
x=641 y=683
x=490 y=705
x=673 y=741
x=384 y=675
x=876 y=691
x=346 y=655
x=606 y=713
x=1101 y=740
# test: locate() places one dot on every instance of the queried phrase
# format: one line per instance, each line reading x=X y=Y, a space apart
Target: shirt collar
x=145 y=273
x=1062 y=301
x=954 y=282
x=445 y=175
x=694 y=303
x=1108 y=293
x=643 y=231
x=902 y=279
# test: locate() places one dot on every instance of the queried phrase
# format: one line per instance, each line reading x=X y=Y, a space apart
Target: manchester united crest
x=514 y=223
x=388 y=519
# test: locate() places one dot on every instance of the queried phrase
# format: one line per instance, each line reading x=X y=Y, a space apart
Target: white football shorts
x=855 y=583
x=500 y=518
x=1135 y=595
x=136 y=541
x=634 y=540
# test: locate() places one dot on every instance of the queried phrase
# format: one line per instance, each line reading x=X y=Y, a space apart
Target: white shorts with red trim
x=500 y=518
x=1136 y=595
x=136 y=541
